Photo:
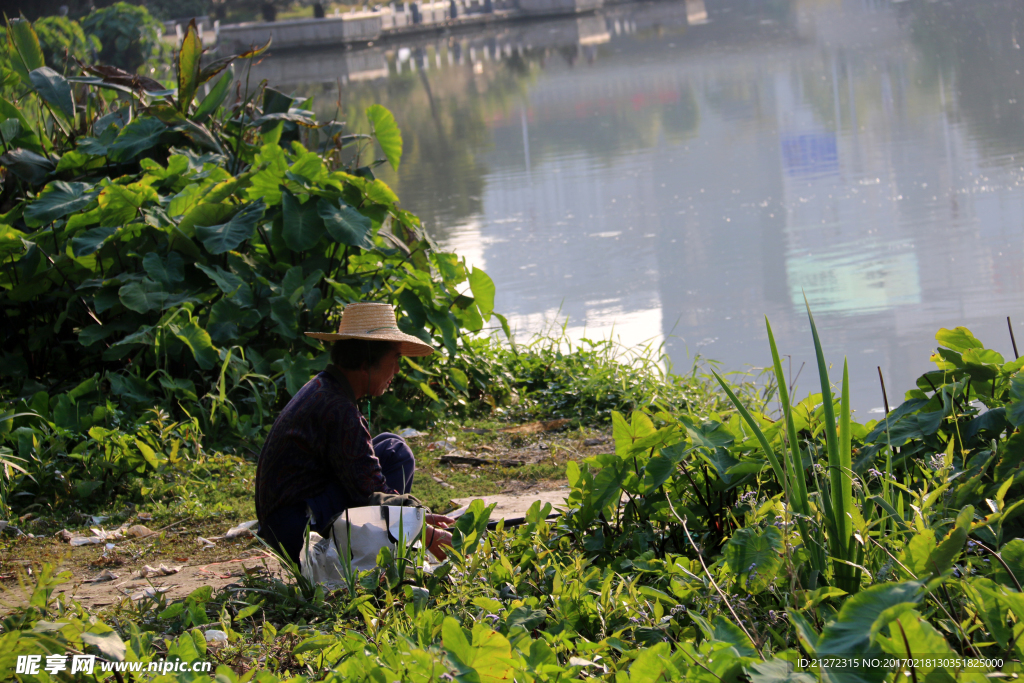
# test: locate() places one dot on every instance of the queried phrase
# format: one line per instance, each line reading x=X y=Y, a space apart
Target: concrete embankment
x=396 y=19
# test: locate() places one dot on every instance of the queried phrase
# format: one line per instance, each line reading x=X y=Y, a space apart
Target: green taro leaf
x=120 y=204
x=229 y=283
x=189 y=58
x=346 y=225
x=55 y=89
x=27 y=165
x=863 y=615
x=58 y=200
x=728 y=632
x=140 y=135
x=755 y=556
x=109 y=644
x=958 y=339
x=389 y=137
x=483 y=290
x=219 y=239
x=90 y=241
x=169 y=270
x=26 y=138
x=198 y=341
x=303 y=226
x=143 y=297
x=1015 y=410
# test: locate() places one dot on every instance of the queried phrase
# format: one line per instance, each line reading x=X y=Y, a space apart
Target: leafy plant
x=128 y=34
x=59 y=36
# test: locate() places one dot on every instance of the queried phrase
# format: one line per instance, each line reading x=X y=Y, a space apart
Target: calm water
x=674 y=172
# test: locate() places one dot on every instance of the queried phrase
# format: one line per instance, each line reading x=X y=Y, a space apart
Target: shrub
x=57 y=34
x=129 y=36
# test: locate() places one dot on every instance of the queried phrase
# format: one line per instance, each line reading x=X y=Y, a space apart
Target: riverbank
x=402 y=21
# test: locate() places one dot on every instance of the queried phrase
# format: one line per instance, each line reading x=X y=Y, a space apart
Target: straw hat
x=376 y=322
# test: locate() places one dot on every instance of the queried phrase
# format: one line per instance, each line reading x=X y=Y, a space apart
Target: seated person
x=319 y=458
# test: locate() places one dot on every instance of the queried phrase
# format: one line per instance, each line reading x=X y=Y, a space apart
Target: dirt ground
x=195 y=563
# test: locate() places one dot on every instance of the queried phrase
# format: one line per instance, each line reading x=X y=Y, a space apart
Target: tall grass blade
x=780 y=474
x=838 y=498
x=794 y=461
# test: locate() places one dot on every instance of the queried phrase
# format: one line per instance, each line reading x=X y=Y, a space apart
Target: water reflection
x=681 y=169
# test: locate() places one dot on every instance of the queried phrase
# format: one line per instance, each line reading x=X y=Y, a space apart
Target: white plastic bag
x=368 y=529
x=365 y=530
x=320 y=562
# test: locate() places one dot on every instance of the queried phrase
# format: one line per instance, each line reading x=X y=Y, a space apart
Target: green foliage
x=58 y=35
x=129 y=35
x=134 y=259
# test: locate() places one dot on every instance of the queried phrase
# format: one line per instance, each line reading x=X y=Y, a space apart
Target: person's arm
x=349 y=450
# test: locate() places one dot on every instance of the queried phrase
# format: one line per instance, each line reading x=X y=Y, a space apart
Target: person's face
x=381 y=374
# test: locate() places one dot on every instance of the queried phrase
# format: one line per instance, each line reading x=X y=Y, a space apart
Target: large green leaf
x=1015 y=409
x=144 y=296
x=345 y=224
x=754 y=556
x=26 y=137
x=229 y=283
x=228 y=319
x=913 y=638
x=386 y=131
x=108 y=643
x=90 y=241
x=23 y=48
x=219 y=239
x=27 y=165
x=854 y=630
x=205 y=214
x=55 y=90
x=303 y=226
x=198 y=341
x=958 y=339
x=660 y=467
x=120 y=204
x=137 y=137
x=189 y=57
x=58 y=200
x=483 y=290
x=168 y=270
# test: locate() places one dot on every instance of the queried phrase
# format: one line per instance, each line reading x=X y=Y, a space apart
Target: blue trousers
x=286 y=526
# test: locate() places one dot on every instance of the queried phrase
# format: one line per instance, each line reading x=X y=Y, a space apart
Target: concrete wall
x=301 y=33
x=558 y=6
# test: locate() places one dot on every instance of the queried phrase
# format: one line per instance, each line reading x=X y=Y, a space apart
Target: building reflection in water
x=679 y=170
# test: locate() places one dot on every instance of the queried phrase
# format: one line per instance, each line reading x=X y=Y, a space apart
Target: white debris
x=205 y=542
x=410 y=433
x=215 y=638
x=243 y=529
x=162 y=570
x=149 y=592
x=139 y=531
x=105 y=575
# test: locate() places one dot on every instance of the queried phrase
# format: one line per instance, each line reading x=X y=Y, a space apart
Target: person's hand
x=436 y=540
x=440 y=521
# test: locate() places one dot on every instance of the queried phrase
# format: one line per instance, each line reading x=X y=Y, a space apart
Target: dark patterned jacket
x=319 y=437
